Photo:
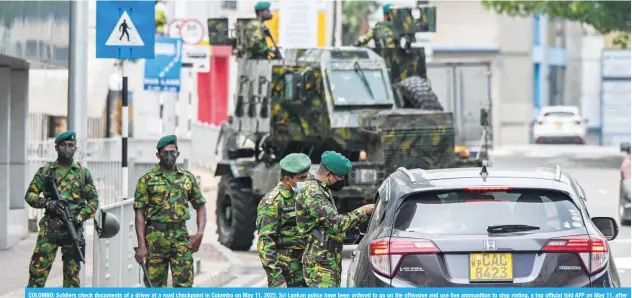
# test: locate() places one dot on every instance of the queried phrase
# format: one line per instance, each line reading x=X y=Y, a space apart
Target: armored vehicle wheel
x=417 y=93
x=236 y=212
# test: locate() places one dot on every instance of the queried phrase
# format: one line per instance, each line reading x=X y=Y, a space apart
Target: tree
x=605 y=16
x=355 y=14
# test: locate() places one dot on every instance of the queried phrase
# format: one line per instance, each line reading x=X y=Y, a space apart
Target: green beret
x=296 y=163
x=386 y=8
x=336 y=163
x=167 y=140
x=262 y=5
x=66 y=136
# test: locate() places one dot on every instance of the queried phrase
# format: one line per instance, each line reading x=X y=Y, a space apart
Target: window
x=559 y=114
x=472 y=212
x=229 y=4
x=378 y=214
x=355 y=87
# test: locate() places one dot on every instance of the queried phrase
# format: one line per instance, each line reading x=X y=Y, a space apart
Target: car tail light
x=385 y=254
x=487 y=188
x=593 y=251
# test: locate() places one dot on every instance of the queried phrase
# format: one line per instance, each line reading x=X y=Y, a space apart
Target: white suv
x=560 y=124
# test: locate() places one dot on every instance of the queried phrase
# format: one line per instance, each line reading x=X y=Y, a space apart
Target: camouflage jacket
x=383 y=35
x=316 y=210
x=255 y=45
x=82 y=197
x=276 y=223
x=166 y=197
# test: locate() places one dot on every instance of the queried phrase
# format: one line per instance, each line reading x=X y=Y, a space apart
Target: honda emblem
x=490 y=244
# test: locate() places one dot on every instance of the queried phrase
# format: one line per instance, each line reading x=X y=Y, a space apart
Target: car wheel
x=236 y=212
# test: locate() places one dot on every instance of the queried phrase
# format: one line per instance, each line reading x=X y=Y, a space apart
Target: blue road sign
x=126 y=29
x=163 y=72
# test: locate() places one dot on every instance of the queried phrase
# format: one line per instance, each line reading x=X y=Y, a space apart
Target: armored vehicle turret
x=315 y=100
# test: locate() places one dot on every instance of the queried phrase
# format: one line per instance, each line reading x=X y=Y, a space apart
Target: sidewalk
x=218 y=263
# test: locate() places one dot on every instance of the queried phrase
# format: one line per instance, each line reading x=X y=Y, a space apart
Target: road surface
x=599 y=176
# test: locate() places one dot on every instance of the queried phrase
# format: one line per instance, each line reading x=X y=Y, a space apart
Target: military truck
x=314 y=100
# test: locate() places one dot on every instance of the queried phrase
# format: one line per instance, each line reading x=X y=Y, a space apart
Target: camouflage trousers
x=322 y=268
x=289 y=260
x=168 y=248
x=44 y=256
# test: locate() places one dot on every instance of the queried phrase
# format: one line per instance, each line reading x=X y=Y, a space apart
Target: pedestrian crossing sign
x=125 y=29
x=125 y=33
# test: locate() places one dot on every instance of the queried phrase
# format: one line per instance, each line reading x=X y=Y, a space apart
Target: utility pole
x=78 y=81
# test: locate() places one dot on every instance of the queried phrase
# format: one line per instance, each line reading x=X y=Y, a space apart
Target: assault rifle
x=66 y=216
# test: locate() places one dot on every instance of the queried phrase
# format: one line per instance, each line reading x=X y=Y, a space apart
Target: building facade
x=33 y=35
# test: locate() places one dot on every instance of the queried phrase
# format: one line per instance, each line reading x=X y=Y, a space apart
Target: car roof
x=549 y=109
x=414 y=180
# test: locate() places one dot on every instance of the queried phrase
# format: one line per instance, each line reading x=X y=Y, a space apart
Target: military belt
x=166 y=225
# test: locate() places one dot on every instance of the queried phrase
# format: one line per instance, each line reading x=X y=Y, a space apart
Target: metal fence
x=113 y=261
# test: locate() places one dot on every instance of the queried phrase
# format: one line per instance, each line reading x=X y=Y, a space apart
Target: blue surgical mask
x=298 y=186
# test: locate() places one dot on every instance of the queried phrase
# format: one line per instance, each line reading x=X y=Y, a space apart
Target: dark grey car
x=476 y=227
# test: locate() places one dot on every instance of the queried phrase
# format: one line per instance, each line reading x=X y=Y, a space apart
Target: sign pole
x=190 y=106
x=125 y=30
x=161 y=98
x=124 y=135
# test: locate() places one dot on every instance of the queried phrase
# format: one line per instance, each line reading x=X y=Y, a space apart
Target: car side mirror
x=625 y=147
x=607 y=226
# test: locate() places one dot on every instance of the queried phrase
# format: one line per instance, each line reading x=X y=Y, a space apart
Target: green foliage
x=604 y=16
x=354 y=13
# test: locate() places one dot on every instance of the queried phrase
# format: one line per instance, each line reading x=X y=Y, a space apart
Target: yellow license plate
x=491 y=267
x=558 y=125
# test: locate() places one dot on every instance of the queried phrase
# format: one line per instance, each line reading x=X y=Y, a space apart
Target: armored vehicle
x=314 y=100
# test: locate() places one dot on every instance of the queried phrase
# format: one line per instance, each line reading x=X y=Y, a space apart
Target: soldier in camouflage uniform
x=382 y=33
x=162 y=208
x=319 y=222
x=77 y=191
x=280 y=246
x=257 y=33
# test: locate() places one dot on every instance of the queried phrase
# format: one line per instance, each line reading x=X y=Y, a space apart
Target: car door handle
x=353 y=254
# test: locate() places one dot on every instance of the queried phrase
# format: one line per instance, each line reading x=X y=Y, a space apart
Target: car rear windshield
x=559 y=114
x=472 y=211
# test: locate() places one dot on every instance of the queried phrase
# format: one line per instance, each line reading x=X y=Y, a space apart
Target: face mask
x=66 y=153
x=338 y=185
x=168 y=159
x=267 y=16
x=298 y=187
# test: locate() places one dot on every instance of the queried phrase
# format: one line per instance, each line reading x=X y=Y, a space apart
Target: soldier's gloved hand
x=368 y=208
x=54 y=206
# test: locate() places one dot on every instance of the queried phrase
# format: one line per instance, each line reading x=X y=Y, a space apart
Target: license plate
x=487 y=267
x=558 y=125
